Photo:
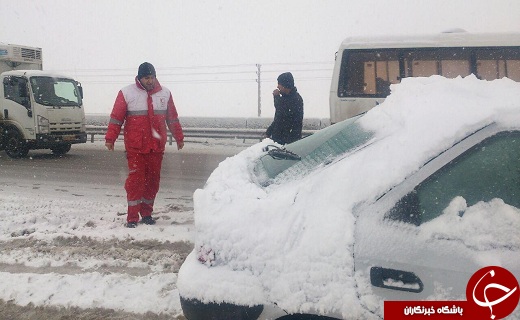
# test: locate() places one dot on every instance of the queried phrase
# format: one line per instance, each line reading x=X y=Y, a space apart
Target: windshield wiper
x=57 y=102
x=278 y=153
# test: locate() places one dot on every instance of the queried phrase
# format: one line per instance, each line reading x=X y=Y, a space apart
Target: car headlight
x=43 y=125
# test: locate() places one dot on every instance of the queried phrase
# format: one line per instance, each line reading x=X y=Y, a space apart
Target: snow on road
x=63 y=248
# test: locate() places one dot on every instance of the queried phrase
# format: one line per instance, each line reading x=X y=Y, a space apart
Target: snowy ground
x=67 y=255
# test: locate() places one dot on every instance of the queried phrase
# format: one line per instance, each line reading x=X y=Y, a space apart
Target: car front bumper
x=196 y=310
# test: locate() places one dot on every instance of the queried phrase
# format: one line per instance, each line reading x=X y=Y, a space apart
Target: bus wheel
x=61 y=149
x=15 y=145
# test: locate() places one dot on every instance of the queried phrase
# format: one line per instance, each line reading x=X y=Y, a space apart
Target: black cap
x=145 y=69
x=286 y=79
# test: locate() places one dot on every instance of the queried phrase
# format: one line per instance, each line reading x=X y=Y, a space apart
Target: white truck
x=38 y=109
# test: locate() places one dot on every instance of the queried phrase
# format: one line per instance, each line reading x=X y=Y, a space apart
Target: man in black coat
x=288 y=117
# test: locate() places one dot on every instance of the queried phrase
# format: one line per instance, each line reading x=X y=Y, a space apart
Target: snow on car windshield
x=319 y=149
x=291 y=243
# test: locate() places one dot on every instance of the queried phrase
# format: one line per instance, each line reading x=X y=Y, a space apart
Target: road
x=183 y=171
x=89 y=171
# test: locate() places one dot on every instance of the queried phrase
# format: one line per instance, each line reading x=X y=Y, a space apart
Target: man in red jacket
x=146 y=108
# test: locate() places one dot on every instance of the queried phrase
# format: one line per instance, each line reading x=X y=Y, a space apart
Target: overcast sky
x=206 y=52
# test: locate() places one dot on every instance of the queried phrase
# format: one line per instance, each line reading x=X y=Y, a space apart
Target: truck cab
x=38 y=109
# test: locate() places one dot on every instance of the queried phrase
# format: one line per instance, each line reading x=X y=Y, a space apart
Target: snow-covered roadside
x=58 y=248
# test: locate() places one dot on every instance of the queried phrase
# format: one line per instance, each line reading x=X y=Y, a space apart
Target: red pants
x=142 y=184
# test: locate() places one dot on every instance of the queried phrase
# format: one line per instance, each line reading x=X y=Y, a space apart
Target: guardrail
x=216 y=133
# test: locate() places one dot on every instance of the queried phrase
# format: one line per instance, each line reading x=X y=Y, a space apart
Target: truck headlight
x=43 y=125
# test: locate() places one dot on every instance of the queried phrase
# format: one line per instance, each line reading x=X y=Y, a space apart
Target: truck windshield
x=59 y=92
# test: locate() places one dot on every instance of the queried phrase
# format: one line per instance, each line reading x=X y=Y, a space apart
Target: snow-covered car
x=406 y=202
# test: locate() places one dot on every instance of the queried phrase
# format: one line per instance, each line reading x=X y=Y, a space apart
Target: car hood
x=291 y=242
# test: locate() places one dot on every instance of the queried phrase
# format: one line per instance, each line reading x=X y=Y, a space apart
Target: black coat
x=288 y=118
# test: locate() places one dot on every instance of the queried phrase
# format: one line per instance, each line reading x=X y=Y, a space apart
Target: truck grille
x=65 y=127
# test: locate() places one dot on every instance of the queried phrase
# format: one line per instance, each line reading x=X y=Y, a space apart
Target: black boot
x=148 y=220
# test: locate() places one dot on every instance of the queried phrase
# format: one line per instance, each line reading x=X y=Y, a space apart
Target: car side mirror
x=80 y=89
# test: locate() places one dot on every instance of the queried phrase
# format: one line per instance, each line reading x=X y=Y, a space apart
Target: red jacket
x=145 y=115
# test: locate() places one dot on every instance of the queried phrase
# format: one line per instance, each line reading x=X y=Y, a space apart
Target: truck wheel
x=3 y=138
x=15 y=146
x=61 y=149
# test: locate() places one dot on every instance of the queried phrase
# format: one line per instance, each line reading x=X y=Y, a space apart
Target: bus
x=366 y=66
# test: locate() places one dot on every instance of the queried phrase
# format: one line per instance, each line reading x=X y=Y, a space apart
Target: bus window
x=498 y=63
x=422 y=68
x=369 y=77
x=455 y=68
x=513 y=69
x=488 y=69
x=376 y=80
x=368 y=73
x=448 y=62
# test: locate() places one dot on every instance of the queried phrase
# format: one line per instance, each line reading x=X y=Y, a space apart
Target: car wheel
x=15 y=145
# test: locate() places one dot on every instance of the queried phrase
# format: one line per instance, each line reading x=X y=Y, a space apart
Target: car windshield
x=302 y=156
x=58 y=92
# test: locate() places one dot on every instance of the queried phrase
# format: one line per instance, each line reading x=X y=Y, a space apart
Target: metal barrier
x=217 y=133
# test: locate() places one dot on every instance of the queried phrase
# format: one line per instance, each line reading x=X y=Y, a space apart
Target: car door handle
x=395 y=279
